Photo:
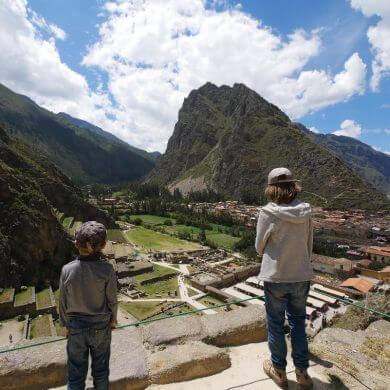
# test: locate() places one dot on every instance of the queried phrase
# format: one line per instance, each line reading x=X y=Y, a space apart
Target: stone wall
x=166 y=351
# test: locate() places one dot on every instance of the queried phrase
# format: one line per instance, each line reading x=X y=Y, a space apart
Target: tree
x=202 y=236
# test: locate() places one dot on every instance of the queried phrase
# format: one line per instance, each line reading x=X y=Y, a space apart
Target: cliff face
x=228 y=139
x=33 y=245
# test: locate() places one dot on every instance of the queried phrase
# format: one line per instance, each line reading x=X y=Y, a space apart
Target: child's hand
x=114 y=324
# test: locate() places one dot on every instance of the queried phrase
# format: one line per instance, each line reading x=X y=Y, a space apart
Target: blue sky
x=325 y=63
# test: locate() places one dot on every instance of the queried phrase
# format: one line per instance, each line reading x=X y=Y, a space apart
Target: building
x=378 y=253
x=362 y=285
x=331 y=265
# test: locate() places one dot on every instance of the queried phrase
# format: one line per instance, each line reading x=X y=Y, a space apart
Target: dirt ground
x=10 y=327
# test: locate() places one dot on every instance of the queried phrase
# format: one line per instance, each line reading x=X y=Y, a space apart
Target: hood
x=295 y=212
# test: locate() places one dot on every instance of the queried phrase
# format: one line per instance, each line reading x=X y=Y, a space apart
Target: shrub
x=137 y=221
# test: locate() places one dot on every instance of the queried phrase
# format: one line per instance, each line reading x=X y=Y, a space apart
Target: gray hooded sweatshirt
x=285 y=239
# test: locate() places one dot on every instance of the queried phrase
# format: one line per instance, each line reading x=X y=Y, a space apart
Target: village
x=160 y=274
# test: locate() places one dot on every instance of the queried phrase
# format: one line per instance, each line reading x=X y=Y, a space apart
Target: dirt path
x=13 y=327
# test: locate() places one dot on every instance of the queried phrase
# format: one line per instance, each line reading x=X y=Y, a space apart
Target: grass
x=162 y=288
x=5 y=295
x=152 y=219
x=177 y=310
x=210 y=301
x=40 y=327
x=141 y=310
x=191 y=292
x=43 y=298
x=121 y=250
x=150 y=239
x=23 y=297
x=67 y=222
x=222 y=240
x=116 y=235
x=158 y=270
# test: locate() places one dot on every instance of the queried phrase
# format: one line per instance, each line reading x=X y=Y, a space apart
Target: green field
x=210 y=301
x=23 y=297
x=43 y=298
x=40 y=327
x=59 y=329
x=152 y=219
x=158 y=270
x=150 y=239
x=141 y=310
x=67 y=222
x=191 y=292
x=116 y=235
x=5 y=295
x=162 y=288
x=121 y=250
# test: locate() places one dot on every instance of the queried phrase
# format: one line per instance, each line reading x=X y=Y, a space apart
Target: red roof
x=378 y=250
x=360 y=284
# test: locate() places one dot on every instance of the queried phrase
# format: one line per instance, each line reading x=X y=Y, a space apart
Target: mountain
x=105 y=134
x=229 y=138
x=85 y=155
x=366 y=162
x=33 y=244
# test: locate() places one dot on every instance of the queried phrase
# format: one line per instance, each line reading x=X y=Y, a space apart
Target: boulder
x=238 y=327
x=185 y=362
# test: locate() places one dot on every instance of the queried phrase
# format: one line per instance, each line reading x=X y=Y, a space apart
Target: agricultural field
x=116 y=235
x=210 y=301
x=152 y=219
x=43 y=298
x=5 y=295
x=150 y=239
x=24 y=297
x=40 y=327
x=122 y=250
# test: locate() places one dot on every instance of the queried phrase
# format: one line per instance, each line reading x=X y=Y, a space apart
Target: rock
x=34 y=369
x=361 y=354
x=185 y=362
x=172 y=330
x=238 y=327
x=129 y=361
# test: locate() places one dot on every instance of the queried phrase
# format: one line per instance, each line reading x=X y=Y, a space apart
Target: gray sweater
x=88 y=287
x=285 y=239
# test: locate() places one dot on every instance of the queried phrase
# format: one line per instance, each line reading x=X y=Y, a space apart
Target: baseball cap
x=280 y=175
x=93 y=232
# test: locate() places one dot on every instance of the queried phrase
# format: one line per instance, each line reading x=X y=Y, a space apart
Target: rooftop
x=359 y=284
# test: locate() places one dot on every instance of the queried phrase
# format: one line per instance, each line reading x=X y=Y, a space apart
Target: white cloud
x=156 y=52
x=349 y=128
x=314 y=130
x=378 y=149
x=58 y=32
x=378 y=37
x=41 y=23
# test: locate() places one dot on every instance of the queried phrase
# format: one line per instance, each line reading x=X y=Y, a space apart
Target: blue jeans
x=88 y=335
x=290 y=299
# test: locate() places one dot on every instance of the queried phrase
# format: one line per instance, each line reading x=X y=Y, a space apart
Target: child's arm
x=111 y=295
x=62 y=302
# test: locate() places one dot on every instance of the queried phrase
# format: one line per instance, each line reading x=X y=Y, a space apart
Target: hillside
x=33 y=245
x=105 y=134
x=228 y=139
x=366 y=162
x=85 y=155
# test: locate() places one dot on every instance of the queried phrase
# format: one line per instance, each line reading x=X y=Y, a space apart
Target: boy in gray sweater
x=285 y=239
x=88 y=308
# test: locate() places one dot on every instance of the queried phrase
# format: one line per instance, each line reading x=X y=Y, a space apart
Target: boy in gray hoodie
x=285 y=239
x=88 y=308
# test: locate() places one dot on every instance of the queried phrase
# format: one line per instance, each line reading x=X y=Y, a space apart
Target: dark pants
x=88 y=336
x=290 y=299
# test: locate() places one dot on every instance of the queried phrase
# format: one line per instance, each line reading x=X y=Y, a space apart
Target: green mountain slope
x=366 y=162
x=81 y=153
x=33 y=244
x=228 y=139
x=105 y=134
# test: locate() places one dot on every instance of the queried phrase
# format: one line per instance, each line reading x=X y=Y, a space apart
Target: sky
x=127 y=65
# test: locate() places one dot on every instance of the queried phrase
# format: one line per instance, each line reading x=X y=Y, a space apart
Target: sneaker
x=276 y=374
x=303 y=379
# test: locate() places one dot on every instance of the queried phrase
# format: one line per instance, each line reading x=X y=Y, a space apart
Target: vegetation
x=149 y=239
x=164 y=289
x=116 y=235
x=210 y=301
x=142 y=310
x=43 y=298
x=24 y=297
x=40 y=327
x=191 y=292
x=358 y=319
x=5 y=295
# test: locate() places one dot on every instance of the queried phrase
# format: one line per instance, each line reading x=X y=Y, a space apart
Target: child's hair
x=282 y=192
x=90 y=238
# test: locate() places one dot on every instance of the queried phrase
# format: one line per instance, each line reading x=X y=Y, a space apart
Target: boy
x=285 y=239
x=88 y=308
